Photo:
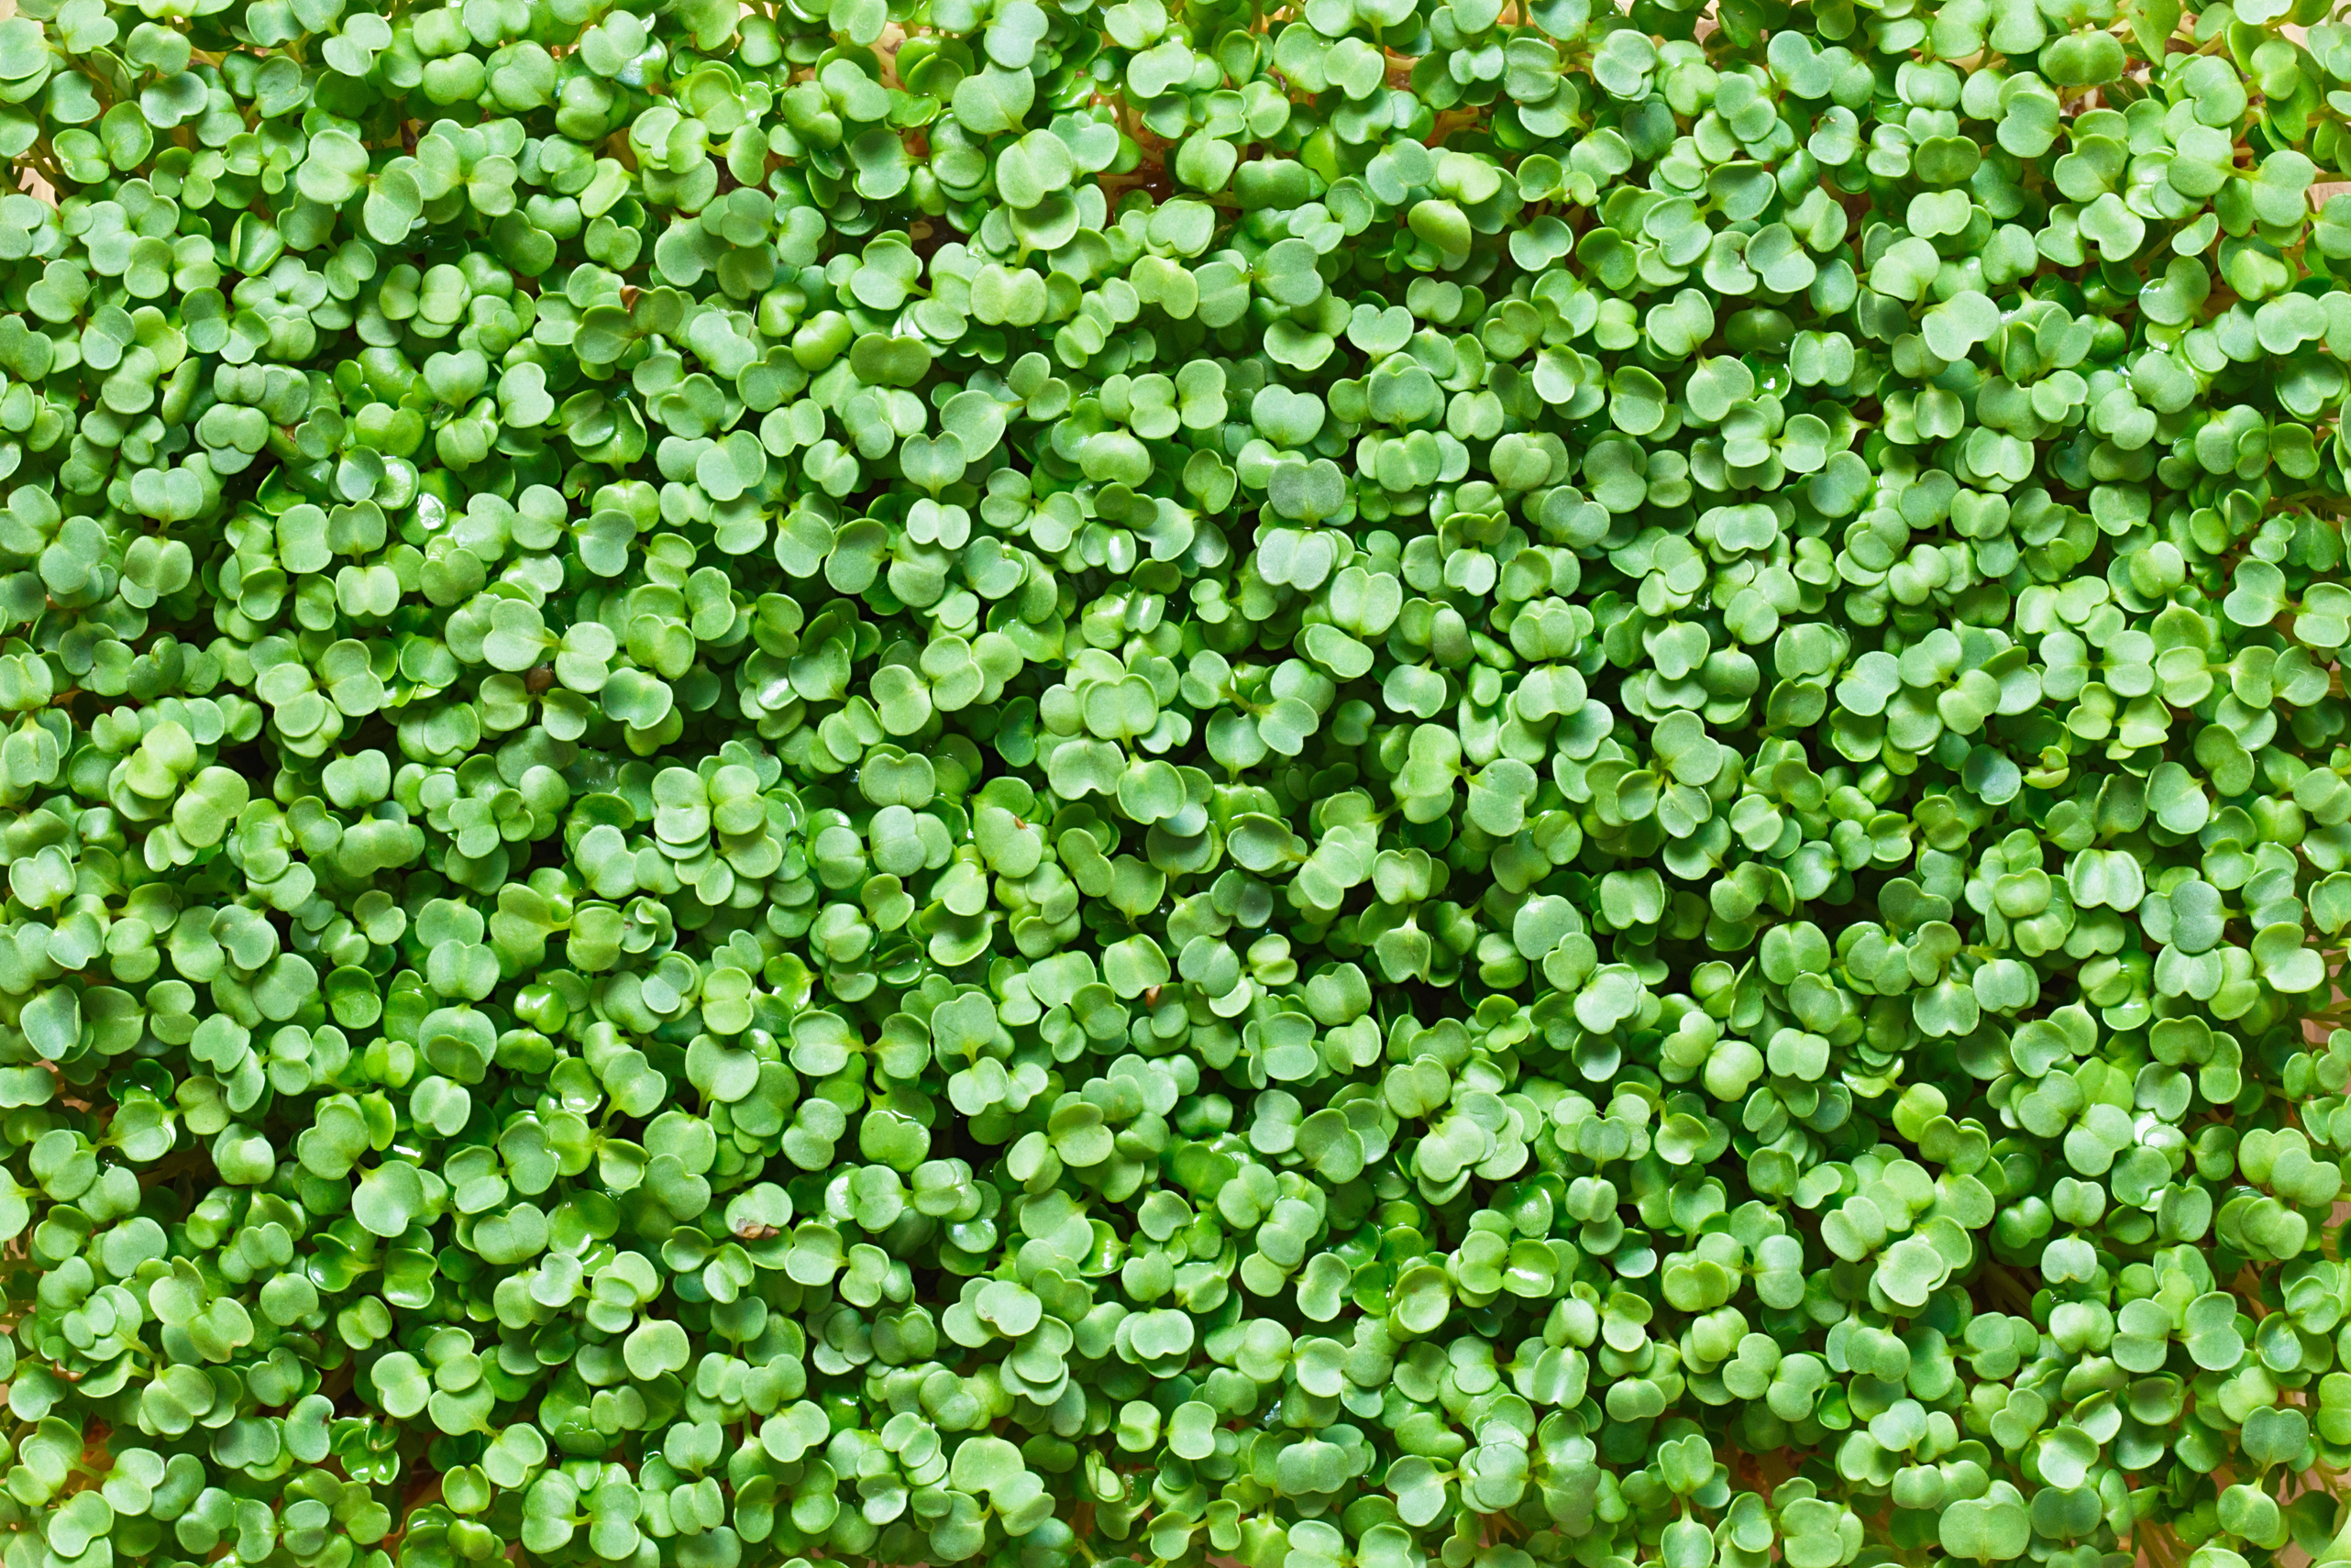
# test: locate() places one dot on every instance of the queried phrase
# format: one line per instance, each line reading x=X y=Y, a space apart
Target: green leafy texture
x=1385 y=784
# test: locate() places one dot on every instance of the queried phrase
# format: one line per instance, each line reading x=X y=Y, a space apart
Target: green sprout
x=1380 y=784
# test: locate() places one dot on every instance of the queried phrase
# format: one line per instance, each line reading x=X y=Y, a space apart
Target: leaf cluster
x=1378 y=783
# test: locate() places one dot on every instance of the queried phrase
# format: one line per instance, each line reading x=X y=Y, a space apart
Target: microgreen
x=1393 y=782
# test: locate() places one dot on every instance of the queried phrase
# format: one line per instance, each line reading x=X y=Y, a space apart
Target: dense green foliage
x=964 y=781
